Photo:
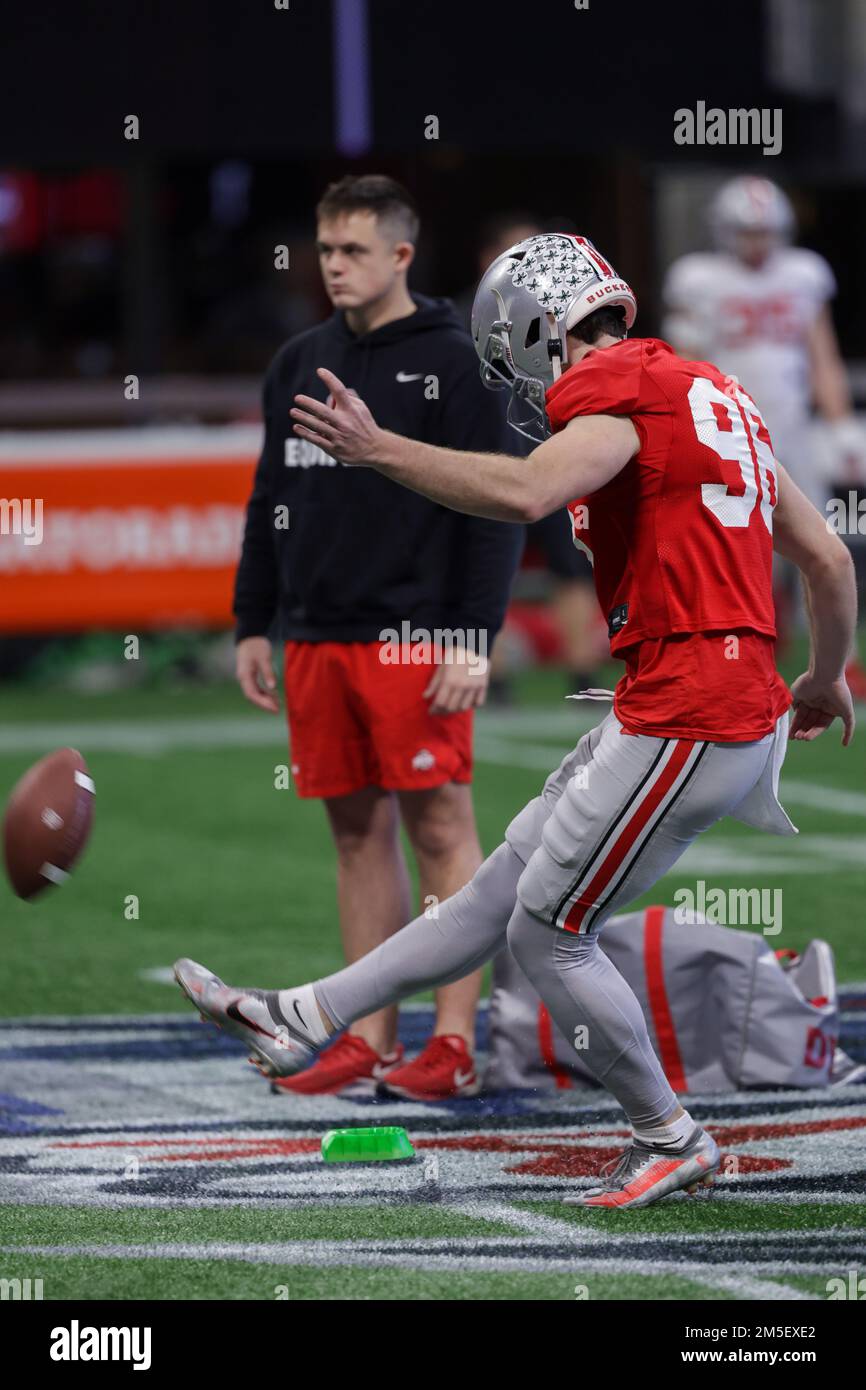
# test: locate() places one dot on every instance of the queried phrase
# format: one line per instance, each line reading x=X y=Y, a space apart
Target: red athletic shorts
x=355 y=722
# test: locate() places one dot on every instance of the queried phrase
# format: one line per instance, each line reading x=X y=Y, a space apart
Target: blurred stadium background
x=153 y=258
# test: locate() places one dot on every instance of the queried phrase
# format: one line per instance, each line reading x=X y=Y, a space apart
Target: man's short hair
x=609 y=319
x=392 y=205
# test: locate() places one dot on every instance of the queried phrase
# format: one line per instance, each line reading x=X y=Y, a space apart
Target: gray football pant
x=611 y=820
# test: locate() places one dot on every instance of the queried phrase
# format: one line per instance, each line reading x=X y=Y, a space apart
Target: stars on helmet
x=553 y=270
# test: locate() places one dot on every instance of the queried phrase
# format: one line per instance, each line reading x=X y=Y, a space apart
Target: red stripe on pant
x=548 y=1055
x=627 y=836
x=663 y=1019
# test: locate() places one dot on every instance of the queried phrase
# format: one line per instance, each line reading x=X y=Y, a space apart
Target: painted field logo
x=77 y=1343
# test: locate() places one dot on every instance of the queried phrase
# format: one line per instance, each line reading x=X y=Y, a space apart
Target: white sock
x=675 y=1134
x=306 y=1015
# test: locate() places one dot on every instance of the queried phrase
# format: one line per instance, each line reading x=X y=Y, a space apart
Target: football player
x=573 y=607
x=758 y=308
x=668 y=471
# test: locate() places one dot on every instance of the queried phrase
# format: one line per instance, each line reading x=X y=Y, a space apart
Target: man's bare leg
x=441 y=827
x=373 y=891
x=428 y=952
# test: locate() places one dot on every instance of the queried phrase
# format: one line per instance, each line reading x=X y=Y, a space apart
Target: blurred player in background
x=381 y=730
x=579 y=635
x=758 y=308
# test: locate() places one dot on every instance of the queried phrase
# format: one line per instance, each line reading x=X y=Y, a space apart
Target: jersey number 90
x=732 y=426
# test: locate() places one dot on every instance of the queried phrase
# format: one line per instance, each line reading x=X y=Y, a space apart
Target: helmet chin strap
x=555 y=356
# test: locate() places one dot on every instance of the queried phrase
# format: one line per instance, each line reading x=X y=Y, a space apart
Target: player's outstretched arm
x=577 y=461
x=801 y=534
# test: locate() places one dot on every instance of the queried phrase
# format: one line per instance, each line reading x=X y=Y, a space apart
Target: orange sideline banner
x=124 y=529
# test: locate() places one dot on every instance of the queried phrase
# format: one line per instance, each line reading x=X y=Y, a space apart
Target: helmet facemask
x=526 y=411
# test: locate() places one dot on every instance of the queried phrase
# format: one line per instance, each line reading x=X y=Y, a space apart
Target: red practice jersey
x=681 y=542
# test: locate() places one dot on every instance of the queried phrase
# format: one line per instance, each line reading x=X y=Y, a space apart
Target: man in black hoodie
x=389 y=604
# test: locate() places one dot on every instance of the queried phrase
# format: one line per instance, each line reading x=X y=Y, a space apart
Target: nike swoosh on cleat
x=461 y=1077
x=235 y=1014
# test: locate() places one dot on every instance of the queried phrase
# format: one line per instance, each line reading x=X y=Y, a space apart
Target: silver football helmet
x=526 y=301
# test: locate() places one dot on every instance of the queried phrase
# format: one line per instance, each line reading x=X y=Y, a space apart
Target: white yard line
x=144 y=736
x=541 y=1227
x=15 y=1190
x=843 y=803
x=744 y=1286
x=501 y=739
x=514 y=752
x=446 y=1255
x=747 y=1286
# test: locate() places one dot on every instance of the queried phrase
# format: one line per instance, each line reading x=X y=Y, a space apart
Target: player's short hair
x=609 y=319
x=392 y=205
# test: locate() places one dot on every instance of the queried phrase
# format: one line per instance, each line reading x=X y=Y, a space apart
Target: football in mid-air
x=47 y=822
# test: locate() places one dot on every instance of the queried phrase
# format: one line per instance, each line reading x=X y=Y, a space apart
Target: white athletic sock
x=300 y=1008
x=674 y=1135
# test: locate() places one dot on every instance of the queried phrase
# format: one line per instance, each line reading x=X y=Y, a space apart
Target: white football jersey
x=754 y=324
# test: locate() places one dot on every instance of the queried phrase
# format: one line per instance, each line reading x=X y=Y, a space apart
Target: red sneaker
x=443 y=1070
x=350 y=1066
x=856 y=678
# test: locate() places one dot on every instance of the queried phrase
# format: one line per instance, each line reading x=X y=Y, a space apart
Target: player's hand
x=458 y=683
x=255 y=673
x=342 y=425
x=817 y=704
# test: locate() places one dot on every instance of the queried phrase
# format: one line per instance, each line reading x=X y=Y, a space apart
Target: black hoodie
x=361 y=554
